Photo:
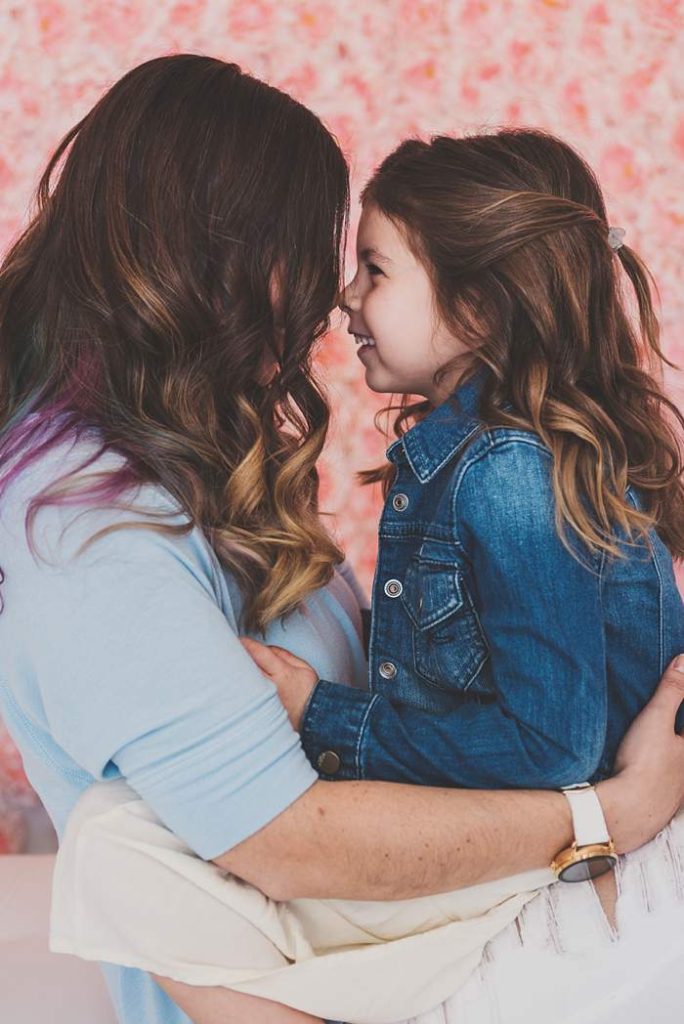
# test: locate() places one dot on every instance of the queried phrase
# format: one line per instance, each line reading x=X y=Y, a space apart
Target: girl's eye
x=374 y=270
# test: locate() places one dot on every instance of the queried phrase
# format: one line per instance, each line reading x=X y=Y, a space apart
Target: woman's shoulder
x=142 y=529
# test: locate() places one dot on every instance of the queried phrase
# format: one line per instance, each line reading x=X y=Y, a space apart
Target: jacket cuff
x=333 y=729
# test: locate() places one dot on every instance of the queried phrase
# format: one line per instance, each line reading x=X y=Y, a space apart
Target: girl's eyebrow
x=371 y=255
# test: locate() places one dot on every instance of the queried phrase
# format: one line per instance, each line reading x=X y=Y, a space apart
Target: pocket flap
x=432 y=591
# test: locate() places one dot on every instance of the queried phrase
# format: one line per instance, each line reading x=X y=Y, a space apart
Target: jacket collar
x=433 y=442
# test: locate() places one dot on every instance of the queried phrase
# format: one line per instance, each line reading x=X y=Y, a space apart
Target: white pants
x=127 y=891
x=561 y=963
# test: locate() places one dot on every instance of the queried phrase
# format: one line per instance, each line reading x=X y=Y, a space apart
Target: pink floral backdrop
x=606 y=76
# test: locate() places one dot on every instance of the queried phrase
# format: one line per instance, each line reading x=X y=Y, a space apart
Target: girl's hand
x=294 y=678
x=648 y=787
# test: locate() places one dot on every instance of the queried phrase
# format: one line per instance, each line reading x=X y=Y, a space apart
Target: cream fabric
x=127 y=891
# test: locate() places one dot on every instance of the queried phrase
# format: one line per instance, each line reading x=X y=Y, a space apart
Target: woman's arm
x=375 y=840
x=496 y=835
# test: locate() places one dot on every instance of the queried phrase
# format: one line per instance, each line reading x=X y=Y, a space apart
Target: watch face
x=584 y=870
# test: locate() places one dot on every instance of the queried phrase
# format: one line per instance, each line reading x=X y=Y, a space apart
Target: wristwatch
x=593 y=851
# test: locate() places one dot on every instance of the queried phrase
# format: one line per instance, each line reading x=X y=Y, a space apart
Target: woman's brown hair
x=512 y=228
x=186 y=245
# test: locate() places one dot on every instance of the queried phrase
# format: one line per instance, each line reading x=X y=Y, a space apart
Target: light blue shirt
x=124 y=660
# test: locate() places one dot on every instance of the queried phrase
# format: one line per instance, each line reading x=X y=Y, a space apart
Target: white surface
x=36 y=986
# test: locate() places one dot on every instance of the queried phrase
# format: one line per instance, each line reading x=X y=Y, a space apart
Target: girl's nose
x=349 y=299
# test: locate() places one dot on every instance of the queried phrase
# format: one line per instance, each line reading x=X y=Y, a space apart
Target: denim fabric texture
x=497 y=657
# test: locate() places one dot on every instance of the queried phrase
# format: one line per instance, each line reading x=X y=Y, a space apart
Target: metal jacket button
x=400 y=502
x=387 y=670
x=393 y=588
x=329 y=762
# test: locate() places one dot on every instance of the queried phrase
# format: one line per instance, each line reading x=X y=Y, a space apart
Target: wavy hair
x=182 y=260
x=512 y=228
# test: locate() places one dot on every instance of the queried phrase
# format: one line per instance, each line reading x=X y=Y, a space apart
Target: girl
x=160 y=426
x=525 y=602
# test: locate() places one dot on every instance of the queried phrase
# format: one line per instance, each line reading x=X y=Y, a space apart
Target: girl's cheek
x=368 y=312
x=378 y=308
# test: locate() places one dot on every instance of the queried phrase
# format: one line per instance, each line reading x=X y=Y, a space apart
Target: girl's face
x=401 y=339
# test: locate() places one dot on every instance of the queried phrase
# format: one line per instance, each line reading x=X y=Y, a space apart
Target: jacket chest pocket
x=449 y=648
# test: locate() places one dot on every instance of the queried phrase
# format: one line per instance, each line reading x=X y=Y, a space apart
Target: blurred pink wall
x=605 y=76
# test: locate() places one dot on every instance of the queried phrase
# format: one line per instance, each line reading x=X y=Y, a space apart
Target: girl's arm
x=541 y=613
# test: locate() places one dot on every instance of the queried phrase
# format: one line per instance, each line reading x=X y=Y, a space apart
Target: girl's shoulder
x=503 y=457
x=502 y=487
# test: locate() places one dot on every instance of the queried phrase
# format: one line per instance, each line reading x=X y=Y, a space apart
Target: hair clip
x=616 y=238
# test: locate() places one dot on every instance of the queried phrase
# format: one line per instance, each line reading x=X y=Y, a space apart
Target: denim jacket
x=497 y=658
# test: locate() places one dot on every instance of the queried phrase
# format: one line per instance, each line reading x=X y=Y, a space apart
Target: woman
x=160 y=428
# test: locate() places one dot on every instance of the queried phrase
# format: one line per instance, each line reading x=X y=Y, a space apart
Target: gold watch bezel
x=577 y=854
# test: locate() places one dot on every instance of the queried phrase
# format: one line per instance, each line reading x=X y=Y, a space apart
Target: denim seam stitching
x=475 y=457
x=364 y=722
x=661 y=637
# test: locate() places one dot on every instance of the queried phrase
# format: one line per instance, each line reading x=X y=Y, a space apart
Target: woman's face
x=401 y=339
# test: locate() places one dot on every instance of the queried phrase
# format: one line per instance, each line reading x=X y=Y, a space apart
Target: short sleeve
x=141 y=673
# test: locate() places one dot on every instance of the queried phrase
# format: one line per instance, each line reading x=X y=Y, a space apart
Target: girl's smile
x=364 y=347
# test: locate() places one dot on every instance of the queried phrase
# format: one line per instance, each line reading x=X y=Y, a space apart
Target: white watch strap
x=588 y=819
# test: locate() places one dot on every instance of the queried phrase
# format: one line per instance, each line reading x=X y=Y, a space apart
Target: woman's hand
x=294 y=678
x=648 y=787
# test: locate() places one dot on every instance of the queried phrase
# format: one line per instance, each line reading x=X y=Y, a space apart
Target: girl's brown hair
x=512 y=228
x=186 y=241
